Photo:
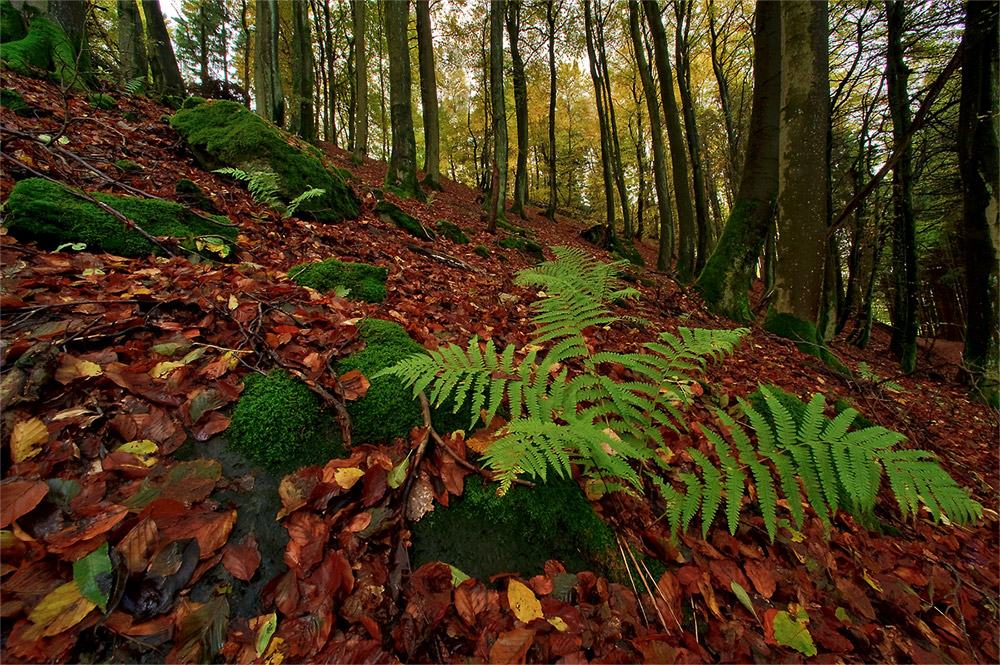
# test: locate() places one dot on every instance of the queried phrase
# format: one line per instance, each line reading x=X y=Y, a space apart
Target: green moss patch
x=482 y=251
x=522 y=245
x=452 y=232
x=51 y=215
x=514 y=228
x=363 y=282
x=280 y=423
x=11 y=24
x=391 y=213
x=805 y=335
x=223 y=133
x=101 y=101
x=482 y=534
x=128 y=166
x=12 y=99
x=190 y=194
x=44 y=47
x=612 y=242
x=192 y=102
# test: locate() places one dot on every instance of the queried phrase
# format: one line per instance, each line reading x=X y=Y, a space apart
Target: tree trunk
x=361 y=84
x=244 y=25
x=428 y=96
x=131 y=45
x=267 y=78
x=602 y=118
x=166 y=73
x=683 y=13
x=72 y=18
x=903 y=342
x=687 y=231
x=640 y=162
x=520 y=109
x=663 y=207
x=550 y=18
x=732 y=141
x=616 y=152
x=402 y=171
x=730 y=270
x=302 y=74
x=802 y=199
x=977 y=141
x=498 y=192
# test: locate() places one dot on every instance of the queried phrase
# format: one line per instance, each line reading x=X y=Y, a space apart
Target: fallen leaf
x=242 y=560
x=60 y=610
x=26 y=439
x=523 y=602
x=790 y=632
x=93 y=576
x=354 y=384
x=346 y=478
x=512 y=647
x=19 y=498
x=761 y=577
x=72 y=368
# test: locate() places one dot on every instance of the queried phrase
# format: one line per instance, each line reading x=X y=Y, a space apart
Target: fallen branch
x=442 y=257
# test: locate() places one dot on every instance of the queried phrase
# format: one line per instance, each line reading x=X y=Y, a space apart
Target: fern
x=263 y=186
x=135 y=86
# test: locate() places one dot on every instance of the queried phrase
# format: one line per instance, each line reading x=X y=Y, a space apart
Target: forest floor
x=105 y=327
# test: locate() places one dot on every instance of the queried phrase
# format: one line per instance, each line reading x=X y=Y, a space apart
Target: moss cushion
x=364 y=282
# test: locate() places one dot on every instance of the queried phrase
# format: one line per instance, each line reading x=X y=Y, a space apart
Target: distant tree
x=358 y=8
x=202 y=39
x=402 y=171
x=301 y=121
x=498 y=192
x=596 y=76
x=520 y=108
x=163 y=62
x=267 y=77
x=550 y=22
x=428 y=96
x=131 y=45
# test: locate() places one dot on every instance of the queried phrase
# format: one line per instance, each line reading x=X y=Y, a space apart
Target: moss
x=527 y=246
x=192 y=102
x=172 y=101
x=729 y=271
x=483 y=534
x=280 y=423
x=129 y=166
x=452 y=232
x=11 y=99
x=130 y=116
x=378 y=194
x=365 y=282
x=45 y=47
x=514 y=228
x=345 y=175
x=223 y=133
x=482 y=251
x=101 y=101
x=805 y=335
x=52 y=215
x=11 y=23
x=393 y=214
x=612 y=242
x=190 y=194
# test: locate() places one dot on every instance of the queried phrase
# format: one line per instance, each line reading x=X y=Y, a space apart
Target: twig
x=665 y=602
x=631 y=580
x=461 y=461
x=419 y=456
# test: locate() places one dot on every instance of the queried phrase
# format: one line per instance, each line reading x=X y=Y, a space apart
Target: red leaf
x=210 y=425
x=242 y=560
x=210 y=529
x=20 y=498
x=355 y=385
x=512 y=647
x=761 y=577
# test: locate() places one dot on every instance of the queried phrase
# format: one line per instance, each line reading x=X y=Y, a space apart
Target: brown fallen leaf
x=512 y=647
x=242 y=560
x=19 y=498
x=355 y=385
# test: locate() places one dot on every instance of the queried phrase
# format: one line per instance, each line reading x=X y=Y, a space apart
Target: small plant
x=868 y=375
x=135 y=86
x=263 y=186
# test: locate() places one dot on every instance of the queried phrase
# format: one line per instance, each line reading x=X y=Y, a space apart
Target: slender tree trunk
x=602 y=118
x=203 y=74
x=683 y=13
x=428 y=96
x=381 y=79
x=498 y=193
x=979 y=115
x=520 y=108
x=330 y=82
x=361 y=84
x=640 y=161
x=616 y=154
x=131 y=45
x=687 y=232
x=550 y=19
x=732 y=142
x=802 y=199
x=244 y=25
x=664 y=210
x=166 y=73
x=267 y=78
x=730 y=269
x=302 y=74
x=402 y=171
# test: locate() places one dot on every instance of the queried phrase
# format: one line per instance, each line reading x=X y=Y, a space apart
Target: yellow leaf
x=347 y=477
x=523 y=602
x=144 y=449
x=558 y=624
x=26 y=438
x=62 y=609
x=164 y=368
x=275 y=655
x=233 y=302
x=871 y=582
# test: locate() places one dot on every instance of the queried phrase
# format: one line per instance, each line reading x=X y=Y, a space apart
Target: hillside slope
x=88 y=342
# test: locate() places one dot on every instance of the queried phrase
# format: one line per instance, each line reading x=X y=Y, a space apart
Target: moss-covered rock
x=11 y=24
x=482 y=251
x=609 y=240
x=514 y=228
x=363 y=282
x=391 y=213
x=101 y=101
x=45 y=47
x=280 y=423
x=482 y=534
x=128 y=166
x=805 y=335
x=130 y=116
x=223 y=133
x=192 y=102
x=452 y=232
x=190 y=194
x=12 y=99
x=51 y=214
x=523 y=245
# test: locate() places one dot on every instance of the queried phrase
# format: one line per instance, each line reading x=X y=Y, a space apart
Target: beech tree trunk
x=616 y=152
x=302 y=122
x=602 y=118
x=428 y=96
x=732 y=141
x=166 y=73
x=131 y=45
x=361 y=83
x=267 y=78
x=802 y=154
x=520 y=108
x=663 y=207
x=550 y=19
x=402 y=171
x=498 y=191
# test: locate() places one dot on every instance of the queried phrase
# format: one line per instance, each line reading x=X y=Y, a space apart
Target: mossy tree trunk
x=267 y=78
x=802 y=151
x=402 y=172
x=550 y=21
x=302 y=122
x=428 y=96
x=979 y=115
x=131 y=45
x=903 y=341
x=686 y=230
x=361 y=84
x=520 y=108
x=730 y=269
x=163 y=62
x=498 y=192
x=71 y=17
x=663 y=207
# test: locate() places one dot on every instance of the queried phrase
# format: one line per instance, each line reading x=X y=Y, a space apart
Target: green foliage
x=11 y=99
x=101 y=101
x=11 y=23
x=280 y=423
x=482 y=251
x=391 y=213
x=867 y=375
x=263 y=186
x=452 y=232
x=226 y=134
x=816 y=460
x=51 y=214
x=192 y=102
x=364 y=282
x=134 y=86
x=128 y=166
x=44 y=47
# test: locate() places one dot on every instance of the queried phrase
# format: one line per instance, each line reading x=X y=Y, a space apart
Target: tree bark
x=520 y=108
x=361 y=83
x=267 y=78
x=802 y=198
x=687 y=232
x=166 y=73
x=131 y=45
x=428 y=96
x=302 y=122
x=730 y=269
x=498 y=193
x=602 y=118
x=616 y=152
x=663 y=207
x=550 y=19
x=979 y=115
x=402 y=171
x=732 y=141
